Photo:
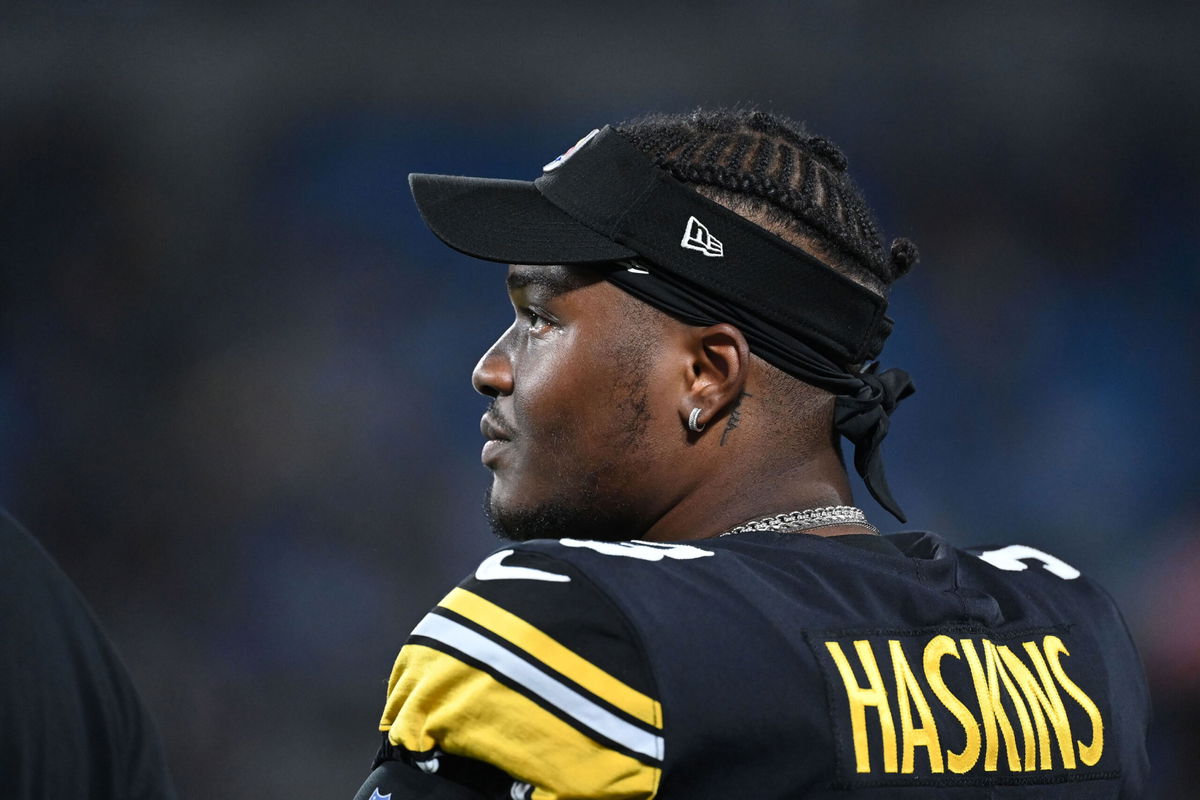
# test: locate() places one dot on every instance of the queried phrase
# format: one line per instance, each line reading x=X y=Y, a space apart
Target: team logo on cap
x=558 y=162
x=697 y=237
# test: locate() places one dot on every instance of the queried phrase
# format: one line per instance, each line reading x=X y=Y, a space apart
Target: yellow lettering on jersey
x=939 y=647
x=1090 y=753
x=908 y=694
x=1030 y=686
x=987 y=691
x=1044 y=702
x=874 y=695
x=996 y=668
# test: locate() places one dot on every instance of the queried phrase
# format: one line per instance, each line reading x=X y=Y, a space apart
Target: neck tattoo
x=797 y=521
x=735 y=416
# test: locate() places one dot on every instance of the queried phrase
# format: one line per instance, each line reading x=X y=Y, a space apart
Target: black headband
x=613 y=188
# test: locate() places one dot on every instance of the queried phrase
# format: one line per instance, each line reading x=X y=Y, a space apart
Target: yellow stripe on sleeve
x=554 y=655
x=438 y=700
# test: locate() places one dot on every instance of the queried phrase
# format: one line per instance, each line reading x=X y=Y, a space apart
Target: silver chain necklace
x=795 y=521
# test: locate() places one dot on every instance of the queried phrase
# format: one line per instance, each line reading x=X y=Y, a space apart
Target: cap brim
x=507 y=221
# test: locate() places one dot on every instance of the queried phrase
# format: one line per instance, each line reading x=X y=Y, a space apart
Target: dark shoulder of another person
x=74 y=725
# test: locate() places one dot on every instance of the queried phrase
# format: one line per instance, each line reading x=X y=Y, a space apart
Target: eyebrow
x=554 y=283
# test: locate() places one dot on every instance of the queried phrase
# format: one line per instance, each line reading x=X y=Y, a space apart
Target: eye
x=537 y=323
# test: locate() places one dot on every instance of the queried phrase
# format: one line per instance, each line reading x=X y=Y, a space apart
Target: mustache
x=493 y=425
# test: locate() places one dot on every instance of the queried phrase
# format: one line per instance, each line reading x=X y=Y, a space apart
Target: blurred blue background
x=234 y=397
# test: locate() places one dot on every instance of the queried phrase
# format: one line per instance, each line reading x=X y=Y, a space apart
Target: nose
x=493 y=376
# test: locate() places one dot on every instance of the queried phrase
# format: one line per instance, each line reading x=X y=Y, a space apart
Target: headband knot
x=864 y=417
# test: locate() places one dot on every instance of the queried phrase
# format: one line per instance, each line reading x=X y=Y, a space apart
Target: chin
x=575 y=515
x=513 y=523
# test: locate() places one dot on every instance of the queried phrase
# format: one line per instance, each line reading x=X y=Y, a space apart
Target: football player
x=691 y=605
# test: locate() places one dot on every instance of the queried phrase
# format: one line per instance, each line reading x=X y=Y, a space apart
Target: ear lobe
x=720 y=364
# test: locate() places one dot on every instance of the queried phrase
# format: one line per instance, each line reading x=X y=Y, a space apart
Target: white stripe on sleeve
x=553 y=691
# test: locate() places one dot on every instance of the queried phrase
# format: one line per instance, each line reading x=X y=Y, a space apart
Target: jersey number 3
x=1012 y=558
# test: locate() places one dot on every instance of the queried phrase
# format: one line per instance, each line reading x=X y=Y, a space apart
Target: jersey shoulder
x=529 y=668
x=1019 y=570
x=1045 y=579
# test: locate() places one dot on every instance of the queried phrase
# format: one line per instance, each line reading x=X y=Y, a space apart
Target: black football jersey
x=772 y=665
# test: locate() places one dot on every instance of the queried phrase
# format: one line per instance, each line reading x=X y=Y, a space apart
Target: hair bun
x=823 y=148
x=904 y=256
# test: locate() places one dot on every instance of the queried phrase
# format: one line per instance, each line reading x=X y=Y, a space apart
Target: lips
x=497 y=437
x=493 y=431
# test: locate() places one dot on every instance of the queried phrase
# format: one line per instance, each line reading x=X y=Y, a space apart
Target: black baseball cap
x=604 y=200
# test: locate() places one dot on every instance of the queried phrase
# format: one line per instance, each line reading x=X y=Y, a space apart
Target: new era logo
x=697 y=237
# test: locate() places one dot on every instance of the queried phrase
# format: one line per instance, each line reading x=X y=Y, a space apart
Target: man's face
x=575 y=415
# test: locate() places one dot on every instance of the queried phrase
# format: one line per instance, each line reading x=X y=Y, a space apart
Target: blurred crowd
x=234 y=397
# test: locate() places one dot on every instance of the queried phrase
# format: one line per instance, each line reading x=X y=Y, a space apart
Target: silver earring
x=694 y=421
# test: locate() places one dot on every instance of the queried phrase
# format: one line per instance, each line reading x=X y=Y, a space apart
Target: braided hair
x=771 y=171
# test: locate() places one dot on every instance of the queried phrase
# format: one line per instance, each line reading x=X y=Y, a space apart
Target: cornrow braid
x=772 y=171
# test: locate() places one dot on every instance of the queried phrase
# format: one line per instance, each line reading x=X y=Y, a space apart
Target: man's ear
x=719 y=364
